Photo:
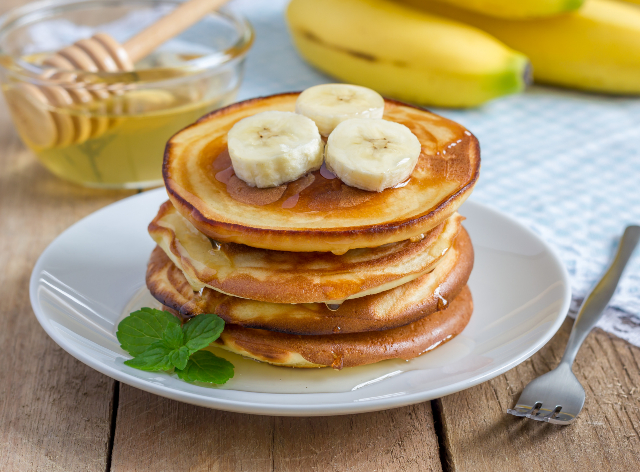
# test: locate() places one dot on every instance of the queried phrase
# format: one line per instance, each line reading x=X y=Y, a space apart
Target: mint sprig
x=157 y=342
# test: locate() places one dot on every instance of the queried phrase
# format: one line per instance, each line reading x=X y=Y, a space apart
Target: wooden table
x=58 y=414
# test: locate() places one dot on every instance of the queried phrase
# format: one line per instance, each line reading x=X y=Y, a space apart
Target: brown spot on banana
x=359 y=54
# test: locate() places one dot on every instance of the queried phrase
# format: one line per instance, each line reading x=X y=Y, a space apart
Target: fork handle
x=593 y=306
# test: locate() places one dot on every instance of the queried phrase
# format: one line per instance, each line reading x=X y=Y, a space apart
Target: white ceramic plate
x=94 y=272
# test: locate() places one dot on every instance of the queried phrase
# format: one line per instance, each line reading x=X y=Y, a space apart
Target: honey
x=129 y=132
x=322 y=191
x=139 y=73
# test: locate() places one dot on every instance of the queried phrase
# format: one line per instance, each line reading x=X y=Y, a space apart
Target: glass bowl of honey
x=108 y=128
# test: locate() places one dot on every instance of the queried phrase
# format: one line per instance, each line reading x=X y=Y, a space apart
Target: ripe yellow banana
x=595 y=48
x=516 y=9
x=403 y=53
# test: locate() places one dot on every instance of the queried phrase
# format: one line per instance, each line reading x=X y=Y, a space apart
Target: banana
x=330 y=104
x=518 y=9
x=274 y=147
x=403 y=53
x=372 y=154
x=595 y=48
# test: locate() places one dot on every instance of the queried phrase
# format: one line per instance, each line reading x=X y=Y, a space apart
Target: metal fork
x=557 y=396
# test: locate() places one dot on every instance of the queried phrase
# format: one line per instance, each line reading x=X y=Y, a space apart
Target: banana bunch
x=594 y=48
x=461 y=53
x=404 y=53
x=515 y=9
x=365 y=151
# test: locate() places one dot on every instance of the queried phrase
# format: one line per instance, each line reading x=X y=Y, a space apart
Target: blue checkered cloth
x=564 y=163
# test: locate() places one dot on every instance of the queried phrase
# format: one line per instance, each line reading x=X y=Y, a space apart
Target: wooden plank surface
x=479 y=436
x=154 y=433
x=54 y=411
x=402 y=439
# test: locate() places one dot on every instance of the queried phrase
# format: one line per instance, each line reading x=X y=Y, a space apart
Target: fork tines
x=536 y=412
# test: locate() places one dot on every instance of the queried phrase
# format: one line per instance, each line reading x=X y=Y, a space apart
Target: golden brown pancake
x=390 y=309
x=296 y=277
x=350 y=350
x=317 y=212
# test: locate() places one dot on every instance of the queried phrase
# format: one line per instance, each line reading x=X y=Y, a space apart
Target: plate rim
x=287 y=409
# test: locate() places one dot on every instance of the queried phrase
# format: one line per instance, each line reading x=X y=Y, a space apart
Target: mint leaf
x=160 y=356
x=142 y=328
x=180 y=357
x=173 y=337
x=156 y=357
x=201 y=331
x=203 y=366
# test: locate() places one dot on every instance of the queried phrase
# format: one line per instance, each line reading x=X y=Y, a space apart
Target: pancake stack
x=314 y=272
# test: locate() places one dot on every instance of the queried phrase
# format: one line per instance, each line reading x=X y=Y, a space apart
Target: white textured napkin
x=566 y=164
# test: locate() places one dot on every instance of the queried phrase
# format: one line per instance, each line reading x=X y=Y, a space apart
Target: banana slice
x=274 y=147
x=372 y=154
x=331 y=104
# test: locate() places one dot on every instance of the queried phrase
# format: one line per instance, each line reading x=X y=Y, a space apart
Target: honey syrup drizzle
x=328 y=193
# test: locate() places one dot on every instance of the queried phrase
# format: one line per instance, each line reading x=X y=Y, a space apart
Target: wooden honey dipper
x=30 y=103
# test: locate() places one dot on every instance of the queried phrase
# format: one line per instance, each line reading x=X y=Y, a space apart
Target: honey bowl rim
x=22 y=71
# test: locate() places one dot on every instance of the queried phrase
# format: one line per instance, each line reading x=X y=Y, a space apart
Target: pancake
x=317 y=212
x=295 y=277
x=390 y=309
x=350 y=350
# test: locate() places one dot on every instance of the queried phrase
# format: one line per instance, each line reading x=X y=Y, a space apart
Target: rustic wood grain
x=479 y=436
x=54 y=411
x=154 y=433
x=402 y=439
